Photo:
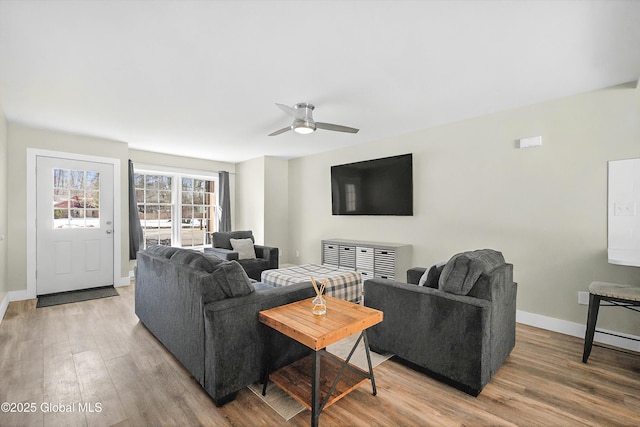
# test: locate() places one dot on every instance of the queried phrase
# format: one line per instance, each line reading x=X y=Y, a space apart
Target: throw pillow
x=463 y=270
x=424 y=276
x=228 y=280
x=432 y=276
x=193 y=259
x=244 y=247
x=160 y=250
x=214 y=260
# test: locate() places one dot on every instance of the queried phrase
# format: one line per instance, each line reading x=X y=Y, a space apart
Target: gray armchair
x=266 y=257
x=458 y=327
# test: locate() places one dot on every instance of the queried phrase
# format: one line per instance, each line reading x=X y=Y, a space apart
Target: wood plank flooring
x=96 y=353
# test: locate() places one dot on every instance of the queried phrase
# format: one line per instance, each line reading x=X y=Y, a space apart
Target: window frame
x=176 y=175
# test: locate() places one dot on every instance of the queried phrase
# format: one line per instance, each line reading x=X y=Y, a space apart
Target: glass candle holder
x=319 y=306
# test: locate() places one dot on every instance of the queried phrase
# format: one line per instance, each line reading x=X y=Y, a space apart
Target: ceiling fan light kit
x=303 y=127
x=303 y=122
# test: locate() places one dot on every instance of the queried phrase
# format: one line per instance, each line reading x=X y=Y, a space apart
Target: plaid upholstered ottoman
x=342 y=283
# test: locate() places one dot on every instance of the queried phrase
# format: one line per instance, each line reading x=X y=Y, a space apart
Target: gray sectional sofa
x=205 y=312
x=457 y=324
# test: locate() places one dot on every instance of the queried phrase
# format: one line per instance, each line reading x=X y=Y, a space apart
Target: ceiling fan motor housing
x=304 y=122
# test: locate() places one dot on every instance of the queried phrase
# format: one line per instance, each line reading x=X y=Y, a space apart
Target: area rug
x=287 y=407
x=76 y=296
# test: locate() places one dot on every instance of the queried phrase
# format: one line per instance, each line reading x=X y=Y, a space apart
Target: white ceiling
x=200 y=78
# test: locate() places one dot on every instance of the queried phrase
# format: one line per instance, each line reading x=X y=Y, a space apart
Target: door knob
x=109 y=231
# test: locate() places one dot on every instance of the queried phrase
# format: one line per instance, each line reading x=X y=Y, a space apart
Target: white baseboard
x=123 y=281
x=10 y=297
x=576 y=330
x=4 y=304
x=19 y=295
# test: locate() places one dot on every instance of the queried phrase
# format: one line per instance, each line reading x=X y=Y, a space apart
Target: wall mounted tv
x=373 y=187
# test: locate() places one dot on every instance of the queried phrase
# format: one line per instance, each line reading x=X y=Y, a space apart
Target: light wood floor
x=98 y=352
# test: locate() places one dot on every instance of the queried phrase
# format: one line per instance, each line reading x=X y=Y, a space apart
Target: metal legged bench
x=615 y=295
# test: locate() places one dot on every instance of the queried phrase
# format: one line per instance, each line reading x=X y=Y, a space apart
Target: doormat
x=287 y=407
x=76 y=296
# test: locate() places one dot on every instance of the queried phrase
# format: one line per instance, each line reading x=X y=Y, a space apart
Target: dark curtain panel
x=135 y=229
x=224 y=222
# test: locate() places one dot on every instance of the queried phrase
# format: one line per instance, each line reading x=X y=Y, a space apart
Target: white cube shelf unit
x=371 y=259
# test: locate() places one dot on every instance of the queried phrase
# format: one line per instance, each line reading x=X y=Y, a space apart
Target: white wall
x=276 y=205
x=250 y=197
x=263 y=201
x=3 y=209
x=151 y=158
x=545 y=208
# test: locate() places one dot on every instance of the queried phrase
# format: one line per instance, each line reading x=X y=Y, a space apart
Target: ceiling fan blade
x=338 y=128
x=278 y=132
x=287 y=109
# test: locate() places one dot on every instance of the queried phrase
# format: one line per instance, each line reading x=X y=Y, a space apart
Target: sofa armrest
x=236 y=341
x=223 y=254
x=414 y=274
x=269 y=253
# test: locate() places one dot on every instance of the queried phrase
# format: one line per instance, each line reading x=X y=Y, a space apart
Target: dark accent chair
x=458 y=327
x=266 y=256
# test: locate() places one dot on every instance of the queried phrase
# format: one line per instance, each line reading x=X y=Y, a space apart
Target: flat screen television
x=373 y=187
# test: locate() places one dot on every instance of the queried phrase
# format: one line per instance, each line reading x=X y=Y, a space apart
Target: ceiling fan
x=303 y=122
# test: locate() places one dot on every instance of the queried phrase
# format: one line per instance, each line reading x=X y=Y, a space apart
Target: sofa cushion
x=261 y=286
x=221 y=239
x=228 y=280
x=463 y=270
x=194 y=259
x=244 y=247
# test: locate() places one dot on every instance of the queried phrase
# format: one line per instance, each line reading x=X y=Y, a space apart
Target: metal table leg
x=315 y=390
x=366 y=347
x=316 y=405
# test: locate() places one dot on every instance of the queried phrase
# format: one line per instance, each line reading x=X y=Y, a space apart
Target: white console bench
x=371 y=259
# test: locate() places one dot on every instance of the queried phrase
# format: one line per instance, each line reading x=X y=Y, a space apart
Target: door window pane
x=92 y=181
x=74 y=193
x=76 y=179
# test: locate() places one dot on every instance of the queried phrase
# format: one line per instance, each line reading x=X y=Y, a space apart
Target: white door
x=74 y=231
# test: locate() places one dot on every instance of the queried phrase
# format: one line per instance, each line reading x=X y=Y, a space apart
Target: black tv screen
x=373 y=187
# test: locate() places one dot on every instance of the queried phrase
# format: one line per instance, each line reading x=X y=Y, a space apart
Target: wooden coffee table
x=305 y=380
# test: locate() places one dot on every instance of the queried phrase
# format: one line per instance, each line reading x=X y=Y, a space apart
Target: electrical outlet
x=297 y=254
x=583 y=298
